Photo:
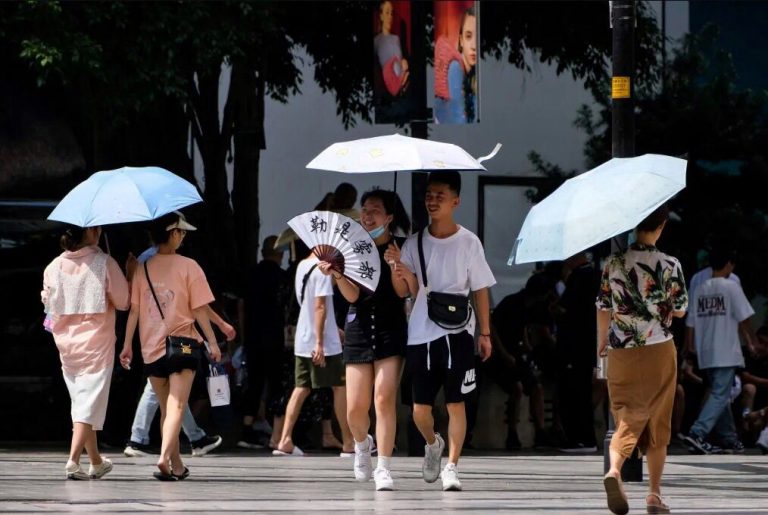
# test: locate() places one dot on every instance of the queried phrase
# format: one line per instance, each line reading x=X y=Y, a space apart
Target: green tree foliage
x=723 y=132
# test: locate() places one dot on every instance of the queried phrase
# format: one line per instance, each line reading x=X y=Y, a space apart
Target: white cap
x=181 y=223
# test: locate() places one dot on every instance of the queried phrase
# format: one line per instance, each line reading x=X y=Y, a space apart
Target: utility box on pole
x=622 y=16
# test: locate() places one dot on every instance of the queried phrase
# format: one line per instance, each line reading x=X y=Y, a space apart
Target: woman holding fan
x=376 y=332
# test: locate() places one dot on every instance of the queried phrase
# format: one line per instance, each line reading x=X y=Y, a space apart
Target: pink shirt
x=86 y=342
x=181 y=287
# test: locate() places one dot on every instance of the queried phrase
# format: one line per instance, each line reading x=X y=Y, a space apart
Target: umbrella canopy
x=342 y=242
x=597 y=205
x=395 y=153
x=125 y=195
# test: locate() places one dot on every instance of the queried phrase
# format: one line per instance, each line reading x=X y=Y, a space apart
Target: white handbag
x=218 y=387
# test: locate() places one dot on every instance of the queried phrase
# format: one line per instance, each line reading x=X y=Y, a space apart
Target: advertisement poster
x=457 y=56
x=393 y=98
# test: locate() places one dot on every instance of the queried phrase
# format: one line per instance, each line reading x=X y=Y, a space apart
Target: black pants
x=264 y=362
x=577 y=412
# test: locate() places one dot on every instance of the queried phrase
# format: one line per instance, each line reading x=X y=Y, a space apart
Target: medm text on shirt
x=711 y=306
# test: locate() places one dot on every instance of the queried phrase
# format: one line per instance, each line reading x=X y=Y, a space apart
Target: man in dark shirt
x=265 y=301
x=577 y=354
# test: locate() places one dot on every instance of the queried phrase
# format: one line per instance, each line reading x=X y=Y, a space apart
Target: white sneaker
x=74 y=471
x=99 y=471
x=430 y=470
x=450 y=477
x=363 y=466
x=762 y=441
x=383 y=479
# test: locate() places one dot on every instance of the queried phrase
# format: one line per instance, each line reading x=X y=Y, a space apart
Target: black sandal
x=162 y=476
x=181 y=477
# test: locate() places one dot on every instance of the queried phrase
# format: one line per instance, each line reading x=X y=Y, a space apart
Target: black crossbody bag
x=448 y=310
x=177 y=348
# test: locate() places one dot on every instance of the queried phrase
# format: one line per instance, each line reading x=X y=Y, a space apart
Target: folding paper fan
x=341 y=241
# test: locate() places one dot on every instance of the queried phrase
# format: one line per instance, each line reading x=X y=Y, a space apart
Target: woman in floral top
x=642 y=290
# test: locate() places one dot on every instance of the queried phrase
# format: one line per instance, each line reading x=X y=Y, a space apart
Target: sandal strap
x=657 y=496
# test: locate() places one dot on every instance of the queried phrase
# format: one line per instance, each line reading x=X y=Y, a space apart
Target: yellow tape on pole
x=620 y=87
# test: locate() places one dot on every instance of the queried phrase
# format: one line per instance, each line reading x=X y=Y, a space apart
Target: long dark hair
x=469 y=84
x=392 y=206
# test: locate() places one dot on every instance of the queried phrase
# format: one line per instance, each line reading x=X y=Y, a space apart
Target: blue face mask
x=377 y=231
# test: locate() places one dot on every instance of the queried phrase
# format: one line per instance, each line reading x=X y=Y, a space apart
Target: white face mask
x=378 y=231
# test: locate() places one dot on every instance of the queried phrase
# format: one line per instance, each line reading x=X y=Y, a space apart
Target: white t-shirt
x=318 y=285
x=454 y=265
x=717 y=307
x=698 y=279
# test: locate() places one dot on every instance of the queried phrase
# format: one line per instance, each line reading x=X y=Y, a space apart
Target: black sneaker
x=736 y=448
x=513 y=441
x=253 y=439
x=700 y=446
x=205 y=445
x=136 y=450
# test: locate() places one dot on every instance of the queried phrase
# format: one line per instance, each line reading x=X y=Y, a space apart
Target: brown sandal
x=617 y=501
x=656 y=508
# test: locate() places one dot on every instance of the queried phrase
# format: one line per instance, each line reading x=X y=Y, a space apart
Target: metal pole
x=419 y=128
x=623 y=145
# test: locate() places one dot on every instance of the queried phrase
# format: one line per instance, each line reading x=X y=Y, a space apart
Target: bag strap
x=146 y=272
x=421 y=259
x=304 y=282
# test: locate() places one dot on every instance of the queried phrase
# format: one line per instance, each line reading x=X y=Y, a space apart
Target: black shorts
x=164 y=367
x=363 y=344
x=448 y=362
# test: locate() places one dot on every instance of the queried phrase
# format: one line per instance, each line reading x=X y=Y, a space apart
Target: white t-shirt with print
x=454 y=265
x=318 y=285
x=717 y=307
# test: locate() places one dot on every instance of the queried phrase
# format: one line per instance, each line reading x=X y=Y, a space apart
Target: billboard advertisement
x=393 y=98
x=456 y=60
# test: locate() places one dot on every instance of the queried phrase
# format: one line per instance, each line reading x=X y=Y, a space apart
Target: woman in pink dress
x=82 y=288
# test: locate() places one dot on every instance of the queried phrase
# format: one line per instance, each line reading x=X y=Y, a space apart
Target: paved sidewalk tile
x=34 y=482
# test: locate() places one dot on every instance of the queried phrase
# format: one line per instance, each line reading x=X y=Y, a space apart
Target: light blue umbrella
x=127 y=194
x=596 y=206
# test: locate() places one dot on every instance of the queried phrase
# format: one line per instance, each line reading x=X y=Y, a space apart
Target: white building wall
x=523 y=111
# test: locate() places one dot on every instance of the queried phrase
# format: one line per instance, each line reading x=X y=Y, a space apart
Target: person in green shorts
x=317 y=348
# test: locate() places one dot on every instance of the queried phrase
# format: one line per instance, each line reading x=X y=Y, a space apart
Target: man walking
x=720 y=310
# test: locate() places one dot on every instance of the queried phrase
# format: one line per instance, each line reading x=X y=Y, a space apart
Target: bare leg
x=161 y=386
x=92 y=447
x=617 y=461
x=277 y=431
x=537 y=407
x=387 y=377
x=678 y=410
x=457 y=430
x=425 y=422
x=340 y=409
x=292 y=411
x=180 y=385
x=657 y=456
x=359 y=387
x=81 y=432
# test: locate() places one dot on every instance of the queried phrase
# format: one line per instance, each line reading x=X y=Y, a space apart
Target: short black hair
x=451 y=179
x=158 y=228
x=721 y=255
x=655 y=219
x=345 y=196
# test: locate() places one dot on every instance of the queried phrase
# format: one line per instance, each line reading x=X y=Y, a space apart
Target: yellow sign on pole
x=620 y=87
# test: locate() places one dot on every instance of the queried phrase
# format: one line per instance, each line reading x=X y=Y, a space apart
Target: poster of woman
x=456 y=62
x=392 y=94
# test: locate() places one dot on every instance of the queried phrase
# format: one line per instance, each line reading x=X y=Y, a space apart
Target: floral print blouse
x=642 y=288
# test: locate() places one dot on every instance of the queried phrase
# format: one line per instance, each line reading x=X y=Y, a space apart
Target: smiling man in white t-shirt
x=719 y=312
x=441 y=354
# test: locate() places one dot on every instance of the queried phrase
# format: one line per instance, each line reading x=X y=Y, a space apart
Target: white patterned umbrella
x=396 y=153
x=342 y=242
x=597 y=205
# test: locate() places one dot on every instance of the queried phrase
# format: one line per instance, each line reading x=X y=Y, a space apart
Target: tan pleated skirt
x=641 y=384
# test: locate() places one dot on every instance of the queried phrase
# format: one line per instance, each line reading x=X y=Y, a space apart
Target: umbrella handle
x=491 y=155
